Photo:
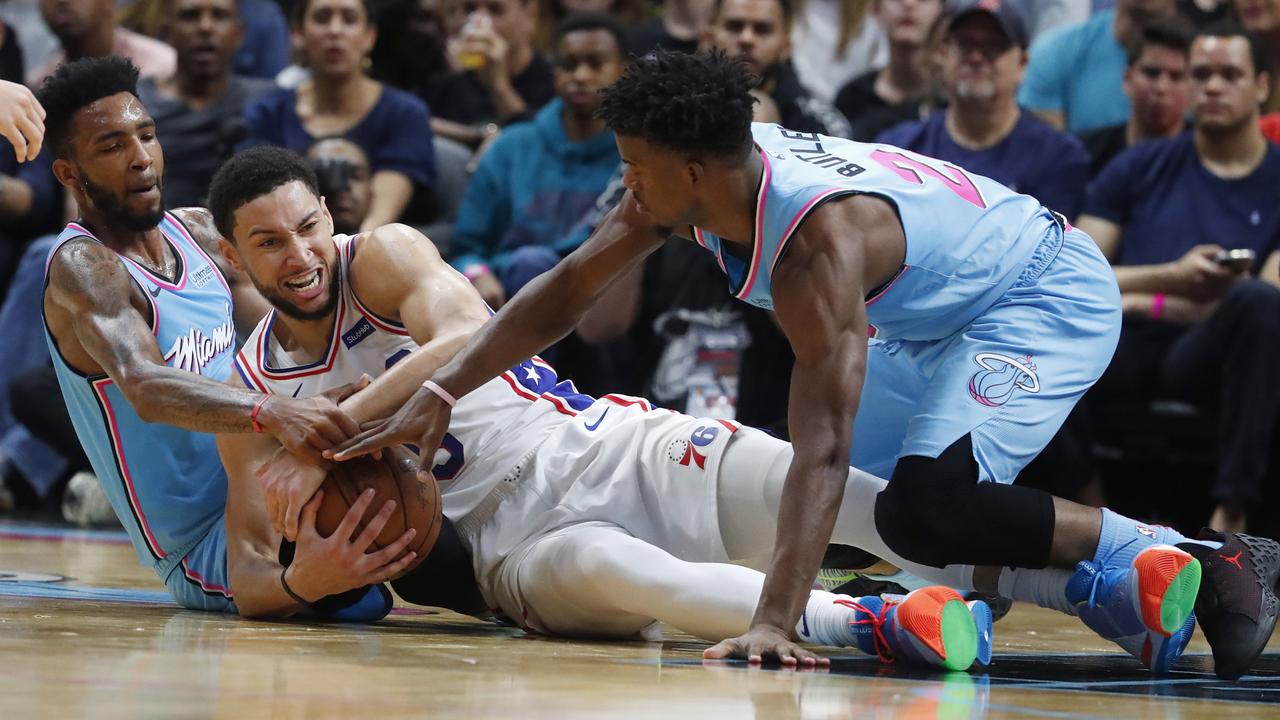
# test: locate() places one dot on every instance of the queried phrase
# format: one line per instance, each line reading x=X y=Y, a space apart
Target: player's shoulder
x=391 y=249
x=82 y=264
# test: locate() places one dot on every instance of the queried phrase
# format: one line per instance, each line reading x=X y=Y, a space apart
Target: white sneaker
x=85 y=504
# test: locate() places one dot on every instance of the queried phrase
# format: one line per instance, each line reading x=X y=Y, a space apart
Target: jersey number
x=915 y=171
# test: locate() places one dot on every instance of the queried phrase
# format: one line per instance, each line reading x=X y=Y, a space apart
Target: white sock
x=1046 y=587
x=824 y=622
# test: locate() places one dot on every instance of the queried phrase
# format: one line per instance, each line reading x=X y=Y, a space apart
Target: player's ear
x=231 y=254
x=66 y=173
x=328 y=217
x=694 y=170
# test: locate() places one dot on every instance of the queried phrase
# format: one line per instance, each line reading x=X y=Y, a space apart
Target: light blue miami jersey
x=967 y=237
x=166 y=484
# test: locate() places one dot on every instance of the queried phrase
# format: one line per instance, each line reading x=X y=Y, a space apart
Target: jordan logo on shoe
x=1234 y=559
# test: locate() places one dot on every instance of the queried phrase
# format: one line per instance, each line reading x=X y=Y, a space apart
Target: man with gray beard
x=983 y=57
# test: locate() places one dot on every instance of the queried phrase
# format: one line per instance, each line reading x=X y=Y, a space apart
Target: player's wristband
x=253 y=416
x=441 y=392
x=1157 y=306
x=476 y=270
x=289 y=591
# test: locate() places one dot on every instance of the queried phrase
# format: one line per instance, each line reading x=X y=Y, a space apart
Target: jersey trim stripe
x=122 y=467
x=245 y=369
x=196 y=245
x=318 y=367
x=888 y=286
x=531 y=397
x=205 y=586
x=757 y=244
x=809 y=207
x=179 y=255
x=380 y=322
x=627 y=401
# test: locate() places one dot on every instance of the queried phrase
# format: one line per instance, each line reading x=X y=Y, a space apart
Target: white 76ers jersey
x=492 y=428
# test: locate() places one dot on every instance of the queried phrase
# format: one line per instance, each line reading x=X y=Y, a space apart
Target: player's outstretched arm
x=398 y=273
x=818 y=299
x=545 y=311
x=100 y=330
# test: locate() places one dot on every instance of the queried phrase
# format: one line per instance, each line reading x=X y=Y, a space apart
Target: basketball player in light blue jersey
x=957 y=320
x=139 y=320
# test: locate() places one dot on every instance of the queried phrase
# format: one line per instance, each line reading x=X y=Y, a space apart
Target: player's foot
x=1142 y=607
x=1237 y=604
x=1000 y=606
x=855 y=584
x=930 y=627
x=983 y=619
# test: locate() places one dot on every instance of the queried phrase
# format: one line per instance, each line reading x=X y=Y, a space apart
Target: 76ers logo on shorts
x=686 y=452
x=1000 y=376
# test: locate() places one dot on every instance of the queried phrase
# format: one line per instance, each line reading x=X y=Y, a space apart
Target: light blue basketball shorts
x=1008 y=379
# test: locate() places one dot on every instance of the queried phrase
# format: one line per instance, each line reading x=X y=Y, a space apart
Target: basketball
x=394 y=477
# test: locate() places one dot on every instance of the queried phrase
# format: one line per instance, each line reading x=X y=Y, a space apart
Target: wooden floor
x=86 y=632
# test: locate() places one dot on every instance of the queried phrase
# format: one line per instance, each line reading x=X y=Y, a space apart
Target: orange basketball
x=394 y=477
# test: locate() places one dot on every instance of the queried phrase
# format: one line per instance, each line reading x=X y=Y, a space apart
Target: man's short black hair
x=698 y=104
x=1230 y=29
x=74 y=85
x=301 y=6
x=584 y=21
x=1173 y=32
x=251 y=174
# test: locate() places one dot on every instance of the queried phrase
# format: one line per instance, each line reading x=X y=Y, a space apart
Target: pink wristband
x=1157 y=306
x=444 y=394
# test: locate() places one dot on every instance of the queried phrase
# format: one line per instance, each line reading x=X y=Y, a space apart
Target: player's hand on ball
x=288 y=482
x=327 y=566
x=764 y=642
x=422 y=421
x=308 y=426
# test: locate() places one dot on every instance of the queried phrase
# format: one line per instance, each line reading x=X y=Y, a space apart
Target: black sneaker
x=1237 y=604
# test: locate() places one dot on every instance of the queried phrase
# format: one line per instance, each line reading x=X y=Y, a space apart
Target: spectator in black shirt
x=1156 y=83
x=902 y=90
x=499 y=78
x=199 y=109
x=677 y=29
x=758 y=32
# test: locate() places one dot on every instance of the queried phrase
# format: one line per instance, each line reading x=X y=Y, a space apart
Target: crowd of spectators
x=1148 y=123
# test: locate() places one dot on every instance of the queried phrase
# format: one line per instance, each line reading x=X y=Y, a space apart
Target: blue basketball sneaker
x=983 y=620
x=1145 y=608
x=929 y=627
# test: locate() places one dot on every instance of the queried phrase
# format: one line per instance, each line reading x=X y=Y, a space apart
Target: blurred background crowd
x=1149 y=123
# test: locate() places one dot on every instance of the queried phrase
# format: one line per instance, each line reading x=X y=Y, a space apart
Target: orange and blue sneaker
x=929 y=627
x=1145 y=607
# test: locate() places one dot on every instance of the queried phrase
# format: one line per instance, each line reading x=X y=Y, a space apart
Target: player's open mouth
x=307 y=285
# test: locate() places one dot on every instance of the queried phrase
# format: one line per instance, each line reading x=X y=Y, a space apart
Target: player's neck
x=305 y=340
x=148 y=247
x=731 y=213
x=1233 y=154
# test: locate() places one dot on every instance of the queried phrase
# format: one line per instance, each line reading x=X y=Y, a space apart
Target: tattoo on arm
x=90 y=285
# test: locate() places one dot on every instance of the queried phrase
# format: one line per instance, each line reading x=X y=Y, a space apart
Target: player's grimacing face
x=284 y=240
x=658 y=179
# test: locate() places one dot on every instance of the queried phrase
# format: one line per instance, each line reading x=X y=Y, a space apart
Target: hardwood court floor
x=86 y=632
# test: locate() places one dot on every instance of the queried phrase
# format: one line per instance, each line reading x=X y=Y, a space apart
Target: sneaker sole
x=983 y=620
x=952 y=635
x=1168 y=582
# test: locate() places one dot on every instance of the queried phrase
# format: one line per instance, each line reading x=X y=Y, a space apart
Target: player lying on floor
x=584 y=517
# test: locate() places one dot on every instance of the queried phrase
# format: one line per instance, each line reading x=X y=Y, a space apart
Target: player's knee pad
x=935 y=512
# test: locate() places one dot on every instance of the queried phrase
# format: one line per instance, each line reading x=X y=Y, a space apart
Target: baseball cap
x=1006 y=13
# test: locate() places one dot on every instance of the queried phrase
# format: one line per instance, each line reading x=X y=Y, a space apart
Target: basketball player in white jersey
x=583 y=517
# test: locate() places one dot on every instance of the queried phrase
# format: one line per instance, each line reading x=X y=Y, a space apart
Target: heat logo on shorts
x=1000 y=376
x=685 y=452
